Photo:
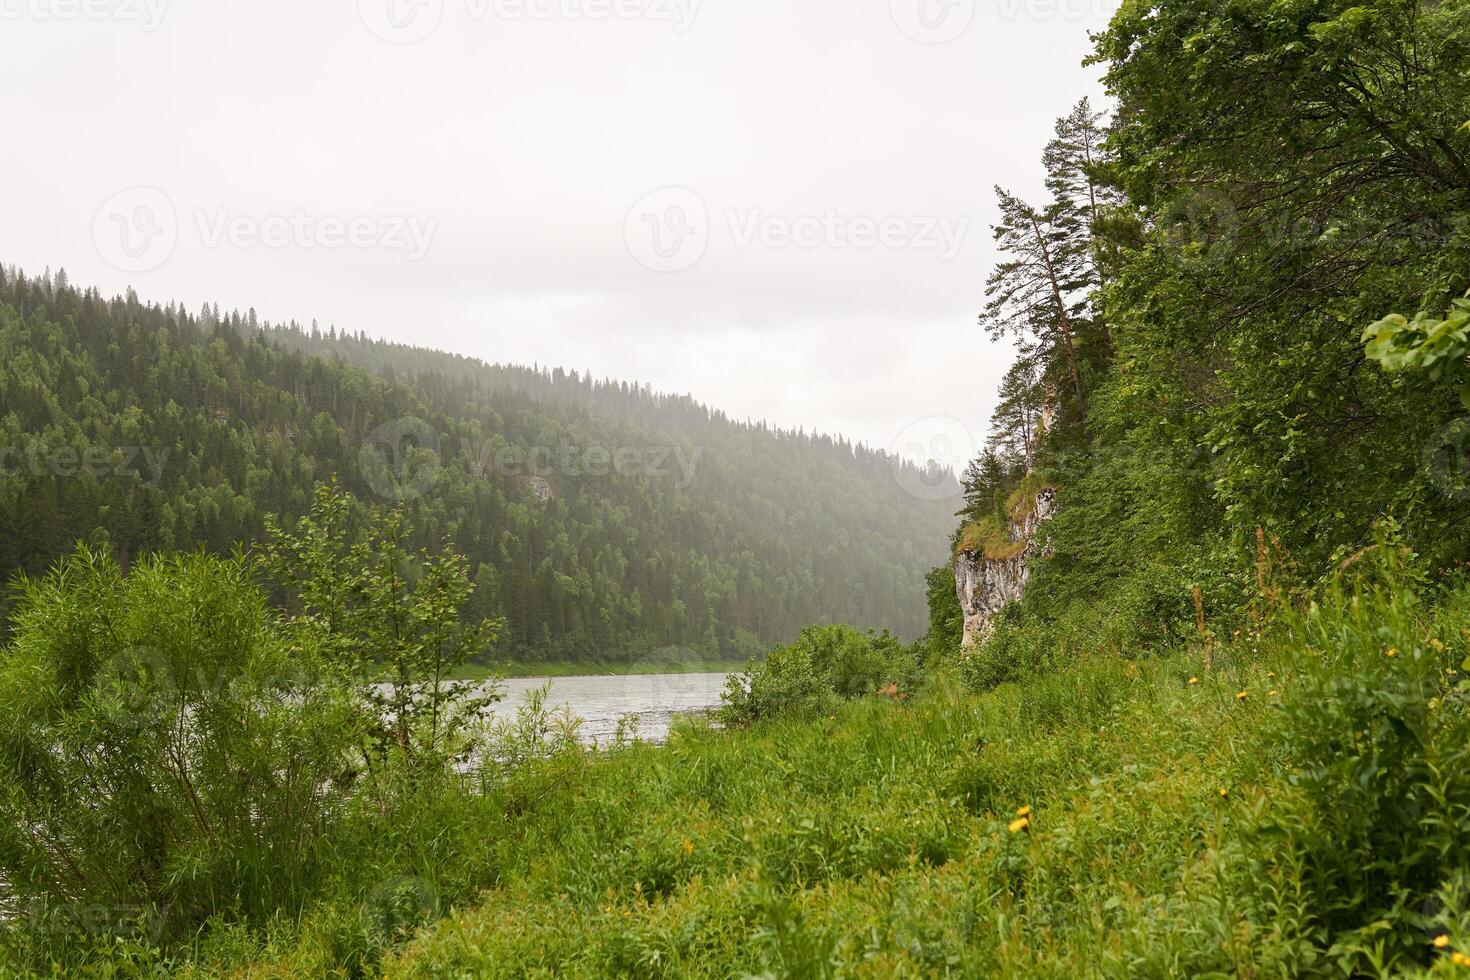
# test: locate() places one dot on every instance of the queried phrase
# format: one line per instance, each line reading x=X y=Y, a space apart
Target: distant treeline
x=601 y=520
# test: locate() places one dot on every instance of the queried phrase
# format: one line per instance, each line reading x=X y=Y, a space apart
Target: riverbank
x=881 y=840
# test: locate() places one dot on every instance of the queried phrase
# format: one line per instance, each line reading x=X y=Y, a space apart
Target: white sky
x=519 y=141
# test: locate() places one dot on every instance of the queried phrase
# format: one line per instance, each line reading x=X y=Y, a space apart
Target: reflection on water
x=654 y=699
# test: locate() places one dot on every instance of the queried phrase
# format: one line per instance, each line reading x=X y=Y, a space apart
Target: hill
x=603 y=520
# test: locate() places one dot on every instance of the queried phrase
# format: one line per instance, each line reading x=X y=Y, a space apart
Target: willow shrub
x=164 y=755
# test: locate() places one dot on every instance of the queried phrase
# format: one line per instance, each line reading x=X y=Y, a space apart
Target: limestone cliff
x=991 y=566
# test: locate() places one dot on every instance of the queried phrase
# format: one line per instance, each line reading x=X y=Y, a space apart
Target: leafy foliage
x=826 y=665
x=164 y=753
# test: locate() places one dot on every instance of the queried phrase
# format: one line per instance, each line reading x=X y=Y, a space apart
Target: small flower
x=1025 y=811
x=1242 y=695
x=1391 y=653
x=1271 y=677
x=1275 y=694
x=1224 y=792
x=1441 y=941
x=1019 y=824
x=1193 y=681
x=1460 y=959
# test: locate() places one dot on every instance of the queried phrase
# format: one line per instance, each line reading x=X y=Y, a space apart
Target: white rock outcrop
x=986 y=585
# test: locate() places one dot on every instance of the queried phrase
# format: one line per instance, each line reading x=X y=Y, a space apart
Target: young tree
x=395 y=618
x=1016 y=427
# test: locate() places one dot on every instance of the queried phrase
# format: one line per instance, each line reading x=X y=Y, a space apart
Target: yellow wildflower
x=1460 y=959
x=1274 y=694
x=1440 y=942
x=1242 y=695
x=1020 y=824
x=1392 y=652
x=1224 y=792
x=1271 y=676
x=1193 y=681
x=1025 y=811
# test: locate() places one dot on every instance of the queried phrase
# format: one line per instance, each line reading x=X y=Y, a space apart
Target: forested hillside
x=1193 y=294
x=604 y=521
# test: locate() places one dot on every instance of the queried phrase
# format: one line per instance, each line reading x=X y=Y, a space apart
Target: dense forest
x=602 y=521
x=1192 y=297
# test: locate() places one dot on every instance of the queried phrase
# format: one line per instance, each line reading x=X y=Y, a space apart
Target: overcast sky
x=781 y=207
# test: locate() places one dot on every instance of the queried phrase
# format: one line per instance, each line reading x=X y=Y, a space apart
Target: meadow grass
x=876 y=841
x=1295 y=804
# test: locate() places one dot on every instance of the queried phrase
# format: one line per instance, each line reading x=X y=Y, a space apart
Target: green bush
x=826 y=665
x=1376 y=738
x=164 y=756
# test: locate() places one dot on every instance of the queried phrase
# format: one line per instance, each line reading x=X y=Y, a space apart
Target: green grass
x=1303 y=809
x=874 y=842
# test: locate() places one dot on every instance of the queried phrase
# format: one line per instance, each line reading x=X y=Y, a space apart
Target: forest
x=605 y=522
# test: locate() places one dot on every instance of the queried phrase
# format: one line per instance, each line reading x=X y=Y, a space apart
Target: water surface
x=655 y=700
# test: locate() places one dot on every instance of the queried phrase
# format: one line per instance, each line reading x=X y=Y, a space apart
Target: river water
x=655 y=700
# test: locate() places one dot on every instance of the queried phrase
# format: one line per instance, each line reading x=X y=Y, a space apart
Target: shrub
x=1376 y=737
x=825 y=665
x=163 y=754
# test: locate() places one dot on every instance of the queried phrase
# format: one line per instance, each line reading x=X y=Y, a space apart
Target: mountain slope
x=603 y=520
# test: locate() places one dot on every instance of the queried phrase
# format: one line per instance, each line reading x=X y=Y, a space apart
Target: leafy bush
x=1377 y=740
x=824 y=666
x=163 y=754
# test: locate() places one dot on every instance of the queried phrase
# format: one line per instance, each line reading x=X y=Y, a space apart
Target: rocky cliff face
x=986 y=580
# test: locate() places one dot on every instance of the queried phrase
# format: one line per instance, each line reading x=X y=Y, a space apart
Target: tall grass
x=1300 y=809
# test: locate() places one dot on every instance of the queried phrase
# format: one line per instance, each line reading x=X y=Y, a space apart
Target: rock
x=986 y=585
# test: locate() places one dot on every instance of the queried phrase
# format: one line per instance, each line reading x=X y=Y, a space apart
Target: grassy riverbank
x=1293 y=802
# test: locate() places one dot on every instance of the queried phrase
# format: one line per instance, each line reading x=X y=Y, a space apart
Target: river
x=654 y=699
